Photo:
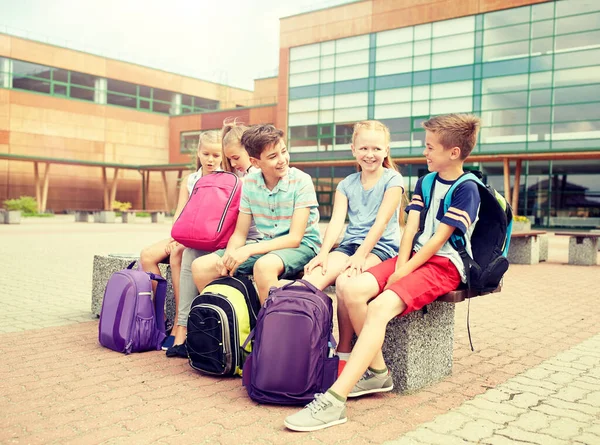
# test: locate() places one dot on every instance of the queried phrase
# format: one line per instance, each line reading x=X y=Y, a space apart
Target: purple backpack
x=130 y=321
x=290 y=360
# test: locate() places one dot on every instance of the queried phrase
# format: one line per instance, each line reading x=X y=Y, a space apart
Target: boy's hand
x=355 y=264
x=221 y=269
x=399 y=273
x=234 y=259
x=319 y=260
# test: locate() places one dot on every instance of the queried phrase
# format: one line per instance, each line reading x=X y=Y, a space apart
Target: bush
x=520 y=218
x=26 y=204
x=121 y=206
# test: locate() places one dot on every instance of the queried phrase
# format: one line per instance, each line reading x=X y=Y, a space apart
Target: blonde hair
x=387 y=162
x=207 y=137
x=455 y=130
x=231 y=134
x=377 y=126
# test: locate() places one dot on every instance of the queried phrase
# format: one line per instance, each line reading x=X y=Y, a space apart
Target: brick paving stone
x=57 y=385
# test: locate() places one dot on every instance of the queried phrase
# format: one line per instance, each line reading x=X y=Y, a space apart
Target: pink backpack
x=209 y=217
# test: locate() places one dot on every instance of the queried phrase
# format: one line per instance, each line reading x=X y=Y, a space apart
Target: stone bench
x=129 y=216
x=525 y=247
x=583 y=247
x=418 y=348
x=10 y=216
x=106 y=265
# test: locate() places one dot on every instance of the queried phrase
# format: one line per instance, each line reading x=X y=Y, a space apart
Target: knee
x=267 y=266
x=379 y=311
x=200 y=266
x=146 y=256
x=354 y=291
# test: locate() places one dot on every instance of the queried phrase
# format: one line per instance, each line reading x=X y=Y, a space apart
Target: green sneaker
x=371 y=383
x=323 y=412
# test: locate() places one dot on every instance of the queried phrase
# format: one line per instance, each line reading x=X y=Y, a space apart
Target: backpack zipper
x=222 y=221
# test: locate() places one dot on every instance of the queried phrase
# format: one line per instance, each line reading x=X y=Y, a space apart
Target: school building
x=529 y=68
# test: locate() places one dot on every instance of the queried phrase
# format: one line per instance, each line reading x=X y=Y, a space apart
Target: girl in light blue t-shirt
x=371 y=198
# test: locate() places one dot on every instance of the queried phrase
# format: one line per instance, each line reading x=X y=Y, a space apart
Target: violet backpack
x=208 y=219
x=290 y=360
x=130 y=321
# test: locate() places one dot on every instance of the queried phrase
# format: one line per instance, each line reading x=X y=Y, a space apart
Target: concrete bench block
x=83 y=215
x=583 y=251
x=158 y=217
x=418 y=348
x=543 y=240
x=10 y=216
x=128 y=217
x=104 y=217
x=524 y=250
x=106 y=265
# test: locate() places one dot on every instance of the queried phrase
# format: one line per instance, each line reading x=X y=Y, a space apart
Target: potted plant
x=12 y=215
x=521 y=224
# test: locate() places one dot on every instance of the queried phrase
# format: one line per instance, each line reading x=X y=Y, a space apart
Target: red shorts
x=433 y=279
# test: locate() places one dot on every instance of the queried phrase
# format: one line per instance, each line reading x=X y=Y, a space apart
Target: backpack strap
x=427 y=186
x=159 y=300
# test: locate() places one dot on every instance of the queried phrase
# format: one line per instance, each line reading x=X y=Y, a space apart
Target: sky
x=226 y=41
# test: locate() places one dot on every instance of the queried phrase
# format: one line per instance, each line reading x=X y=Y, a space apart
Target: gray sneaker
x=318 y=414
x=371 y=383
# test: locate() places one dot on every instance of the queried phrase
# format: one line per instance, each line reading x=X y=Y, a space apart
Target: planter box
x=11 y=217
x=521 y=226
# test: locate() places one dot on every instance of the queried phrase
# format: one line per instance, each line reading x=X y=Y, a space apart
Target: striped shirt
x=273 y=209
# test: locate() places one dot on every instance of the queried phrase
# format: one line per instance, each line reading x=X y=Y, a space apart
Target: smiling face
x=274 y=162
x=370 y=149
x=439 y=159
x=210 y=157
x=238 y=157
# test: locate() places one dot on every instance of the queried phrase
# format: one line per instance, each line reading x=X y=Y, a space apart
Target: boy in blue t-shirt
x=413 y=279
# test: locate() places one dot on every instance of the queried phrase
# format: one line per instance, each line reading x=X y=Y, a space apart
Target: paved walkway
x=533 y=378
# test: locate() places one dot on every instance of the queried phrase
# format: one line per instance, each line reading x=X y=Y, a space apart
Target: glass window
x=453 y=89
x=398 y=125
x=352 y=44
x=542 y=46
x=327 y=62
x=504 y=100
x=580 y=40
x=503 y=134
x=576 y=76
x=454 y=26
x=422 y=47
x=305 y=52
x=328 y=47
x=118 y=86
x=393 y=67
x=327 y=76
x=351 y=100
x=453 y=43
x=576 y=112
x=454 y=105
x=506 y=67
x=326 y=102
x=423 y=31
x=422 y=63
x=60 y=75
x=301 y=105
x=352 y=58
x=350 y=114
x=577 y=58
x=453 y=58
x=584 y=22
x=161 y=107
x=391 y=96
x=542 y=11
x=395 y=36
x=500 y=118
x=325 y=116
x=82 y=93
x=506 y=34
x=352 y=72
x=540 y=80
x=392 y=110
x=578 y=94
x=297 y=80
x=540 y=97
x=205 y=104
x=420 y=108
x=86 y=80
x=121 y=100
x=31 y=84
x=506 y=17
x=299 y=119
x=303 y=132
x=542 y=29
x=394 y=52
x=576 y=7
x=343 y=133
x=452 y=74
x=505 y=51
x=351 y=86
x=305 y=65
x=421 y=92
x=540 y=115
x=189 y=141
x=26 y=69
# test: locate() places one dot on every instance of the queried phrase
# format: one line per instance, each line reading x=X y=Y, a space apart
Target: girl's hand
x=355 y=264
x=319 y=260
x=170 y=247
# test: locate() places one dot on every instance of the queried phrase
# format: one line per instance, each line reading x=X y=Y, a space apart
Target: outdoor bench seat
x=583 y=247
x=129 y=216
x=418 y=348
x=529 y=247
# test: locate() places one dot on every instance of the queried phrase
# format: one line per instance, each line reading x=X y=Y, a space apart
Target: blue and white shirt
x=462 y=215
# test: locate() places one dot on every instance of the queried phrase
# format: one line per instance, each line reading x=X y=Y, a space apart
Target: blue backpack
x=490 y=238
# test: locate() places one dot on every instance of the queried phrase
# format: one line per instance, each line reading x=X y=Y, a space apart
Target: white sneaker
x=323 y=412
x=371 y=383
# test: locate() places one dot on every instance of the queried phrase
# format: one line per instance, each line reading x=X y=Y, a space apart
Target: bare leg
x=367 y=351
x=151 y=256
x=175 y=262
x=335 y=263
x=266 y=272
x=362 y=288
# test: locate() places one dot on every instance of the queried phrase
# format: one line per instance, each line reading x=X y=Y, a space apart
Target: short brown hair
x=455 y=130
x=259 y=137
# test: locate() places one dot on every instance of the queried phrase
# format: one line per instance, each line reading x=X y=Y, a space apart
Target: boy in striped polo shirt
x=283 y=204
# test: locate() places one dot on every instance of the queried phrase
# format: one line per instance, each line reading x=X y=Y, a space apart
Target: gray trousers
x=187 y=288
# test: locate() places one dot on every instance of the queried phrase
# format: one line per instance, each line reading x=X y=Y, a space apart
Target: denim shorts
x=350 y=249
x=294 y=260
